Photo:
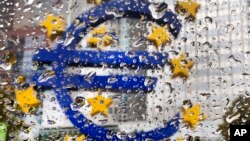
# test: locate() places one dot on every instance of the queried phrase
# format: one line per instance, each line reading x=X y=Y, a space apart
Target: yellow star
x=193 y=115
x=20 y=79
x=190 y=7
x=179 y=139
x=159 y=36
x=99 y=30
x=97 y=2
x=9 y=58
x=27 y=99
x=81 y=138
x=181 y=66
x=107 y=40
x=93 y=41
x=67 y=137
x=99 y=105
x=54 y=25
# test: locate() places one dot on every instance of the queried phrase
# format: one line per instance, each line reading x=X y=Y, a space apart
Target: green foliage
x=10 y=114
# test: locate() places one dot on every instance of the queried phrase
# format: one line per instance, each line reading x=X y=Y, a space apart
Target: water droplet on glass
x=46 y=76
x=208 y=19
x=231 y=118
x=130 y=54
x=68 y=40
x=121 y=135
x=112 y=80
x=89 y=77
x=158 y=108
x=114 y=12
x=28 y=2
x=39 y=4
x=149 y=81
x=207 y=45
x=93 y=19
x=7 y=61
x=138 y=42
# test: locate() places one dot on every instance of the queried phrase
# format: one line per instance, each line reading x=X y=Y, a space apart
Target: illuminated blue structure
x=63 y=56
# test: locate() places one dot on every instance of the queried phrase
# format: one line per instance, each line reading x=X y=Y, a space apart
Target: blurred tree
x=9 y=113
x=237 y=114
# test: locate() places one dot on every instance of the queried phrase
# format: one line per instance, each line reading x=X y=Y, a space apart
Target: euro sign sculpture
x=63 y=56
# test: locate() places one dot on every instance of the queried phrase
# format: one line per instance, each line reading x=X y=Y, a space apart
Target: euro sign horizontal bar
x=117 y=83
x=141 y=59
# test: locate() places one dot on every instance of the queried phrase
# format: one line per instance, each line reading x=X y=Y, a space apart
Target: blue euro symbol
x=63 y=55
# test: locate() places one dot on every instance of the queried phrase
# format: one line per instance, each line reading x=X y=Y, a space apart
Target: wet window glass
x=74 y=70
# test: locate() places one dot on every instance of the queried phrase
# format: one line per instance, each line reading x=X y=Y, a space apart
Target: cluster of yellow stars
x=160 y=37
x=55 y=25
x=27 y=100
x=100 y=38
x=181 y=66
